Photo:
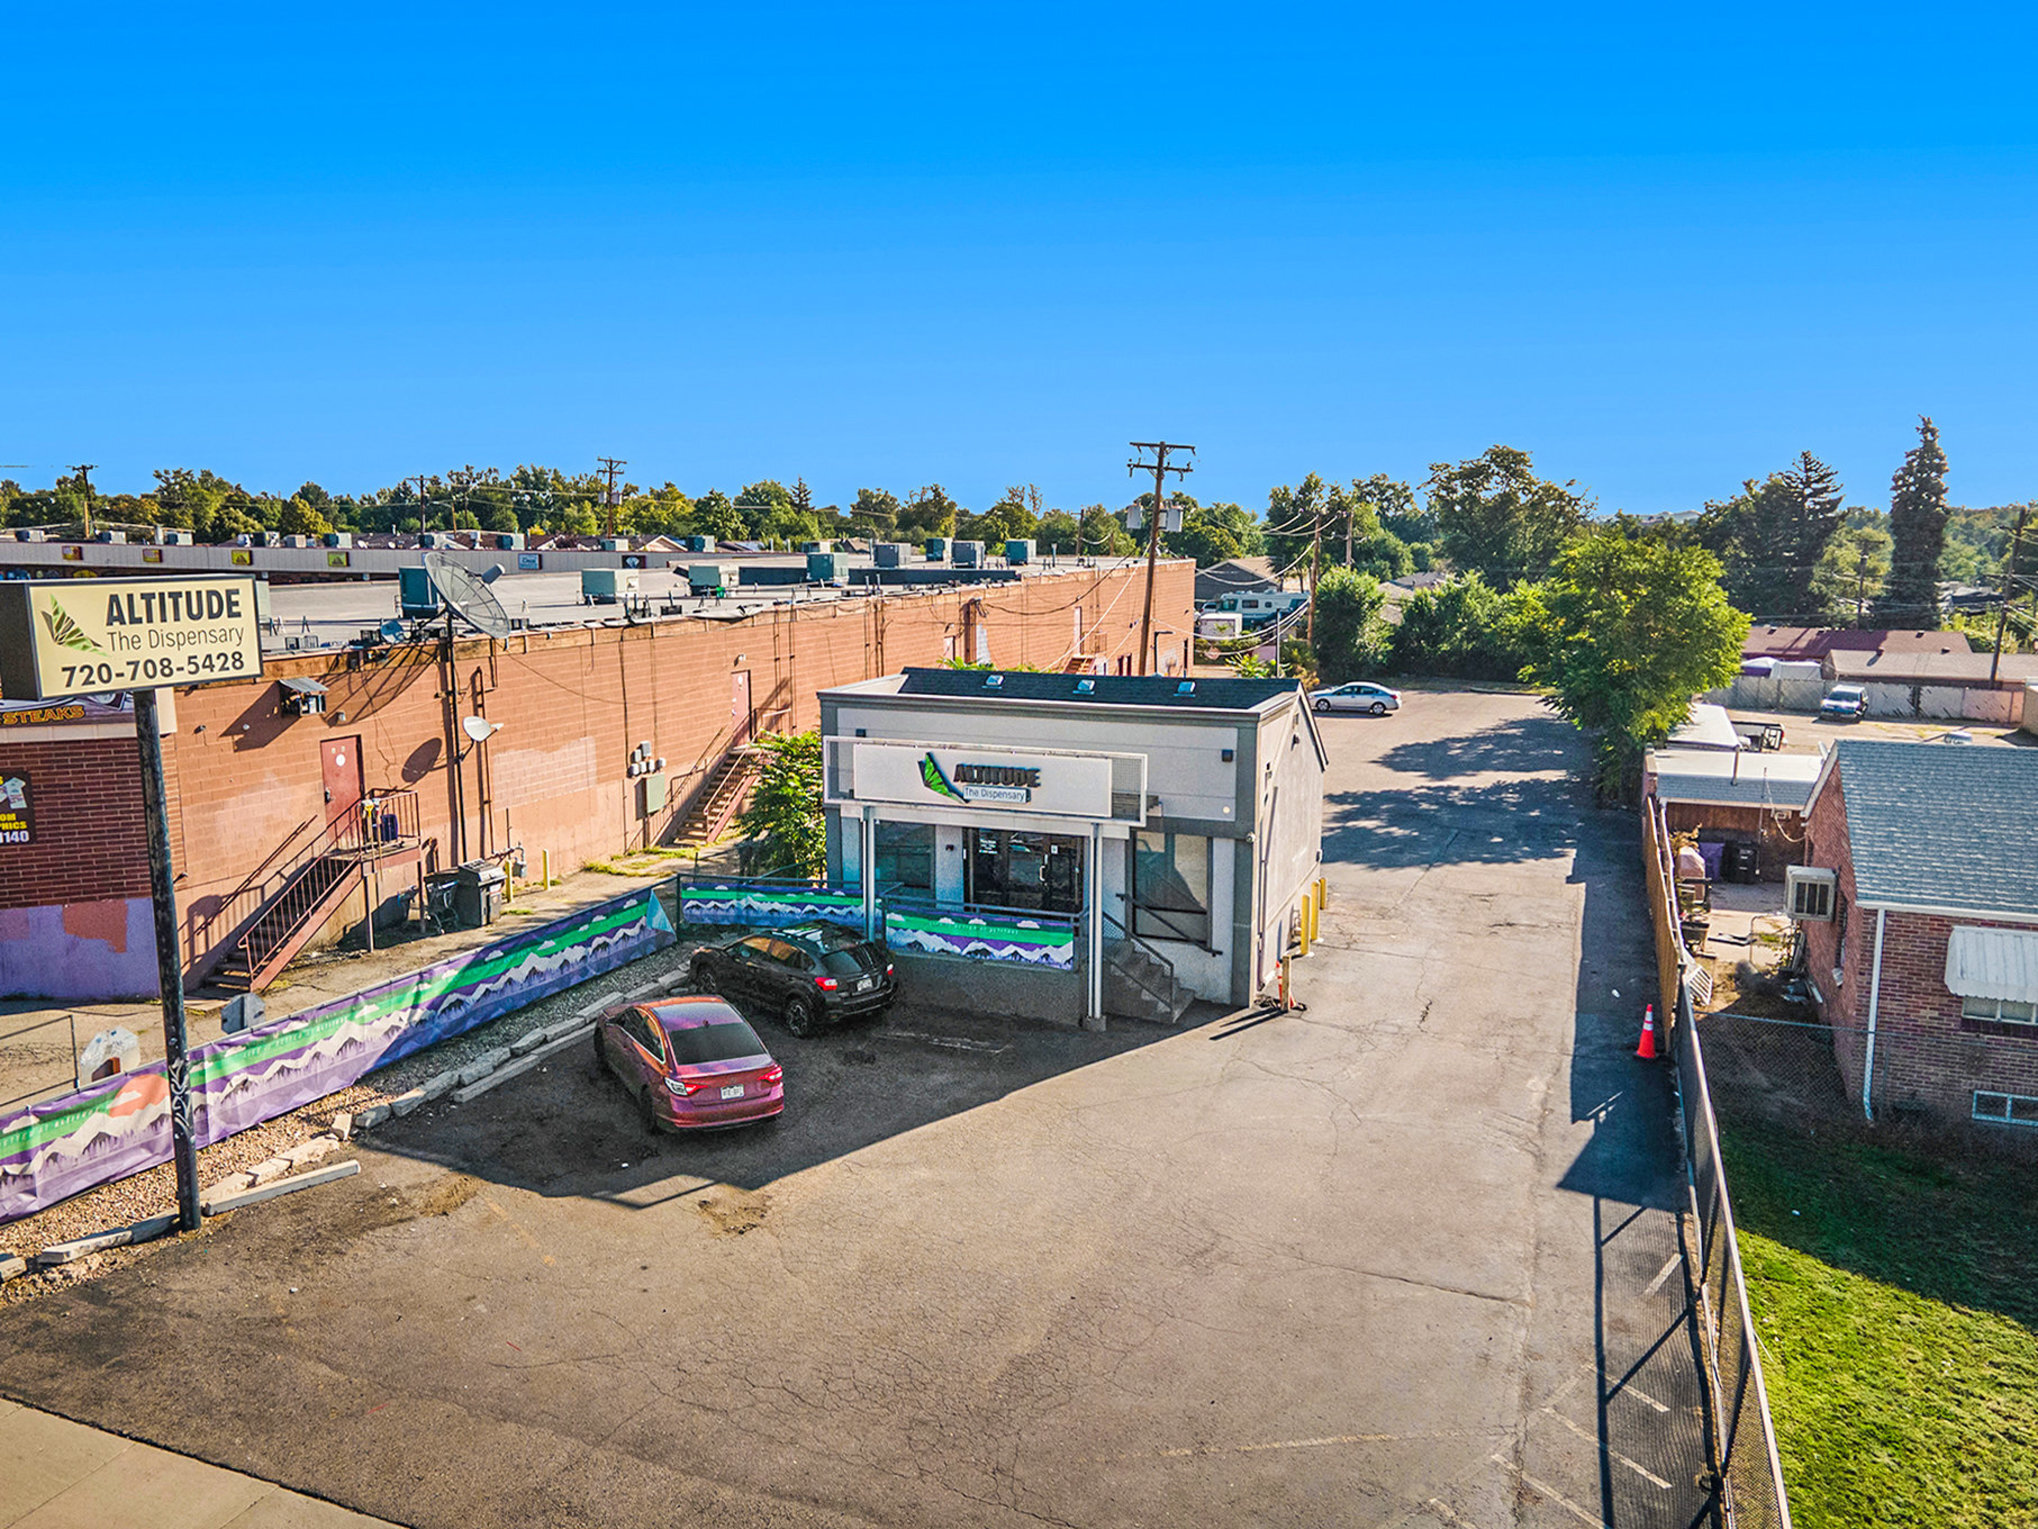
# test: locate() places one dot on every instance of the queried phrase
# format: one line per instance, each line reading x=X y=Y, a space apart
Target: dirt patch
x=733 y=1212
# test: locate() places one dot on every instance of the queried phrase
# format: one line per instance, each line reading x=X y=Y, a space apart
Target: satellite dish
x=478 y=728
x=466 y=596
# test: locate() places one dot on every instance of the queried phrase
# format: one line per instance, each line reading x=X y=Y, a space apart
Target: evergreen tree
x=1771 y=538
x=1917 y=523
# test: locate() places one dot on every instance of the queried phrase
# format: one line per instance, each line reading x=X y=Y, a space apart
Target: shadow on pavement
x=570 y=1130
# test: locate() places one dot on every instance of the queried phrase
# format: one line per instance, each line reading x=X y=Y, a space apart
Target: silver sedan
x=1377 y=700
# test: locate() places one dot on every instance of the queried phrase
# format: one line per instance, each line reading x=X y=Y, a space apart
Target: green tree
x=1058 y=531
x=783 y=823
x=1495 y=516
x=874 y=513
x=1771 y=536
x=1104 y=534
x=929 y=512
x=1636 y=627
x=1917 y=523
x=300 y=519
x=714 y=515
x=760 y=504
x=1394 y=503
x=1468 y=630
x=1350 y=634
x=1292 y=517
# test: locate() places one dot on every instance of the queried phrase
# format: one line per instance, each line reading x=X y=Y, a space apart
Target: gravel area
x=154 y=1191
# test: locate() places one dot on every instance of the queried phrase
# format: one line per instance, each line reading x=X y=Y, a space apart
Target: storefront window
x=905 y=857
x=1171 y=887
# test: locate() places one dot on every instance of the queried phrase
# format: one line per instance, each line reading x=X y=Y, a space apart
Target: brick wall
x=85 y=794
x=1926 y=1056
x=574 y=702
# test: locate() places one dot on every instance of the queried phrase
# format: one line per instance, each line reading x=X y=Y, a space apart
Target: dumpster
x=477 y=892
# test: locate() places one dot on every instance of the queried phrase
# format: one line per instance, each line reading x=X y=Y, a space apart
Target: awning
x=1993 y=963
x=303 y=687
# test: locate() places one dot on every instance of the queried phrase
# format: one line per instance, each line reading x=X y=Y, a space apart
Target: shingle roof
x=1933 y=825
x=1103 y=689
x=1815 y=642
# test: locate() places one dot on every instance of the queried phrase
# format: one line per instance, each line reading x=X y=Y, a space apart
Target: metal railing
x=1748 y=1474
x=383 y=823
x=1751 y=1491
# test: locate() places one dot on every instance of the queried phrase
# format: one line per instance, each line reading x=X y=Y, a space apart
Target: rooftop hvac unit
x=966 y=554
x=1809 y=893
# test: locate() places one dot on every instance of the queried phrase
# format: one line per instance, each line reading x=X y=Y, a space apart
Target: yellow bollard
x=546 y=857
x=1305 y=922
x=1316 y=916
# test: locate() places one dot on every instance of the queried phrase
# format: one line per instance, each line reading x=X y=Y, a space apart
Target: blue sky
x=891 y=245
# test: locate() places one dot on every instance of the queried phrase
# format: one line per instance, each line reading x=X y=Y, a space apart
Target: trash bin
x=1741 y=863
x=477 y=892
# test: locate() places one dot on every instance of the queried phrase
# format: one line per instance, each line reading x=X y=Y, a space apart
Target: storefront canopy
x=1993 y=963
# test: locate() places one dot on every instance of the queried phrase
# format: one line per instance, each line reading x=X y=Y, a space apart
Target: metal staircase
x=720 y=798
x=300 y=888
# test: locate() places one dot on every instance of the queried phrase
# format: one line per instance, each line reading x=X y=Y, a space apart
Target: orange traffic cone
x=1647 y=1050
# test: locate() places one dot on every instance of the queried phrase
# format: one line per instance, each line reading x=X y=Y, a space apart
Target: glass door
x=1024 y=869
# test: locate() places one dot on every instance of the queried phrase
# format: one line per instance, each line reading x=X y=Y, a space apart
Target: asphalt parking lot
x=1405 y=1258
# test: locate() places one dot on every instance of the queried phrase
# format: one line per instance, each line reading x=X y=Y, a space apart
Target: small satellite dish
x=392 y=631
x=478 y=728
x=466 y=596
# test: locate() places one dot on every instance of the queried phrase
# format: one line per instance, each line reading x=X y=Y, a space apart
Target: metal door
x=340 y=763
x=741 y=718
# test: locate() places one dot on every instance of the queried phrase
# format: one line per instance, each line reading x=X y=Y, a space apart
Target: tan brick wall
x=573 y=703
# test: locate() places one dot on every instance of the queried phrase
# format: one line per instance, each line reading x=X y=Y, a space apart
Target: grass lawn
x=1896 y=1297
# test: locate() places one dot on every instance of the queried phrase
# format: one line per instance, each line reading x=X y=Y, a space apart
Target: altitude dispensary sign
x=74 y=637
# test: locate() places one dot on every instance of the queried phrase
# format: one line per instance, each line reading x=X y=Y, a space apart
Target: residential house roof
x=1234 y=574
x=1934 y=825
x=1815 y=642
x=1930 y=668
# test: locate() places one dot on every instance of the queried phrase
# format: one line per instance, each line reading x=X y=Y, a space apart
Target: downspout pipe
x=1874 y=999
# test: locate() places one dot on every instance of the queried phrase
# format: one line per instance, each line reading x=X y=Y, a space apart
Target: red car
x=691 y=1062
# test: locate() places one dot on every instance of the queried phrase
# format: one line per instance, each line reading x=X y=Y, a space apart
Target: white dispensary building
x=1076 y=845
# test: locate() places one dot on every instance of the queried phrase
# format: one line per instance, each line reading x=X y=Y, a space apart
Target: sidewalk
x=56 y=1474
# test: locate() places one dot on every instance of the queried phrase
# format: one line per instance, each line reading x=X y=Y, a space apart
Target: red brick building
x=1919 y=897
x=576 y=708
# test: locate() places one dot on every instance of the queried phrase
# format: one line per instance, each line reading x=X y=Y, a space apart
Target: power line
x=611 y=468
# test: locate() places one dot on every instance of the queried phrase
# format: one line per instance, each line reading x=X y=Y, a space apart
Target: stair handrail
x=1167 y=966
x=345 y=832
x=199 y=929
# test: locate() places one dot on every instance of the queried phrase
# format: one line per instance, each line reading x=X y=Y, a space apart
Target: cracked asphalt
x=1408 y=1258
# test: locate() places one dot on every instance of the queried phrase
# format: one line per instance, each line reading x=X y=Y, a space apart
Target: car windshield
x=717 y=1035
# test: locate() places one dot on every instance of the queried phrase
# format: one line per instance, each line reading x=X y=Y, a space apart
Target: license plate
x=733 y=1091
x=865 y=984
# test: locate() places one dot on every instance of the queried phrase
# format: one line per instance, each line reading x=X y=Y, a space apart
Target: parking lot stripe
x=1549 y=1492
x=953 y=1042
x=1662 y=1274
x=1613 y=1454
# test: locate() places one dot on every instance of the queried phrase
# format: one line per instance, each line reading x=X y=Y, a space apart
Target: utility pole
x=2009 y=576
x=422 y=526
x=1861 y=587
x=1315 y=563
x=612 y=467
x=1351 y=514
x=1160 y=467
x=84 y=471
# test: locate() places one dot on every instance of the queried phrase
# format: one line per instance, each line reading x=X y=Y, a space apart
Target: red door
x=340 y=761
x=739 y=708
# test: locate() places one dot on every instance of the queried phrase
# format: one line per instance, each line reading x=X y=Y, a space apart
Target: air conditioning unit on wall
x=1810 y=891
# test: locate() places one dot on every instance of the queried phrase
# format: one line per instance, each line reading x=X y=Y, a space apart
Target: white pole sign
x=73 y=637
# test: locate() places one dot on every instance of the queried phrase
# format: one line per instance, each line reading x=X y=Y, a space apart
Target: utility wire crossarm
x=1160 y=467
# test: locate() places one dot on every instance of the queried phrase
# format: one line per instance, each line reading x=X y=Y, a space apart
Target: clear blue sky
x=1663 y=248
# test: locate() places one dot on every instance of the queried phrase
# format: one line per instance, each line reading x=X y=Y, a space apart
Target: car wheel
x=799 y=1014
x=647 y=1112
x=1378 y=708
x=1323 y=706
x=701 y=975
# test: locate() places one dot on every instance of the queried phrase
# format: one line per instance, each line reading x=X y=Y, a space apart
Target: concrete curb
x=64 y=1252
x=220 y=1204
x=522 y=1065
x=12 y=1266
